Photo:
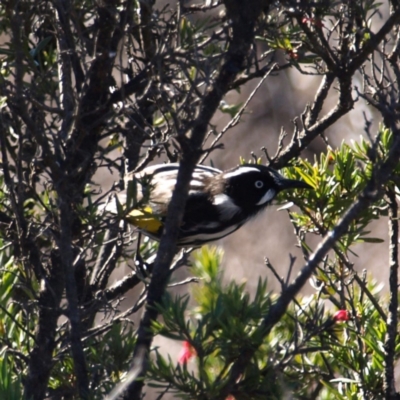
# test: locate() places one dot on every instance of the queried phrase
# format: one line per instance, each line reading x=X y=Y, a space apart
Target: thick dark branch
x=147 y=37
x=64 y=10
x=243 y=20
x=95 y=108
x=25 y=247
x=372 y=192
x=391 y=334
x=374 y=42
x=65 y=73
x=41 y=357
x=135 y=85
x=97 y=91
x=67 y=263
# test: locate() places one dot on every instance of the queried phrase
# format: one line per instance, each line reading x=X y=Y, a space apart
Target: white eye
x=259 y=184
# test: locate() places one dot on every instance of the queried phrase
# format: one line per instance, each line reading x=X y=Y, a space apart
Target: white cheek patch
x=267 y=197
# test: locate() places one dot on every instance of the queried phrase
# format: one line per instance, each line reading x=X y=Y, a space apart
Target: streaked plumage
x=219 y=202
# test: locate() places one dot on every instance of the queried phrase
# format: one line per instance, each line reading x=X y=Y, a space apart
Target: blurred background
x=279 y=101
x=277 y=105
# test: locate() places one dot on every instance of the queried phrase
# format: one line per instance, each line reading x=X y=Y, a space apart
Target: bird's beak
x=293 y=184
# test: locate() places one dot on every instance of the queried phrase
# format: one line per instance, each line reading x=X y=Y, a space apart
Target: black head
x=253 y=186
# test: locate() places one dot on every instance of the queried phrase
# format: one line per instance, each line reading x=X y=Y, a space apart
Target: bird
x=218 y=203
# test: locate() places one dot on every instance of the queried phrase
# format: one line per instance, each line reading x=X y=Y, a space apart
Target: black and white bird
x=219 y=202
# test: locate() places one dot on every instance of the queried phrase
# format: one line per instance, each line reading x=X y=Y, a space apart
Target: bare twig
x=235 y=120
x=275 y=273
x=184 y=282
x=319 y=100
x=345 y=101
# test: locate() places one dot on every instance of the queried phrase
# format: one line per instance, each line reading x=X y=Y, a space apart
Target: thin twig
x=274 y=272
x=184 y=282
x=235 y=120
x=363 y=286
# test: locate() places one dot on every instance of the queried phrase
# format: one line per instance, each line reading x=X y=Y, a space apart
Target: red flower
x=341 y=315
x=187 y=353
x=313 y=21
x=292 y=54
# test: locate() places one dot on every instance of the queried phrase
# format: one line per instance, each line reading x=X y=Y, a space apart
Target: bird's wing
x=155 y=184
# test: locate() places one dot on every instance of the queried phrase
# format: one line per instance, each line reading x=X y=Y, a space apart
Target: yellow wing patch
x=145 y=219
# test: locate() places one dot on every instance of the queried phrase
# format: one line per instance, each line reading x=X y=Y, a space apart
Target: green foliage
x=219 y=321
x=308 y=352
x=108 y=355
x=337 y=178
x=15 y=324
x=218 y=327
x=82 y=79
x=342 y=360
x=10 y=382
x=347 y=358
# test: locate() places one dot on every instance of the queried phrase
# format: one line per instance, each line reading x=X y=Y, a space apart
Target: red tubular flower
x=317 y=22
x=341 y=315
x=187 y=353
x=292 y=54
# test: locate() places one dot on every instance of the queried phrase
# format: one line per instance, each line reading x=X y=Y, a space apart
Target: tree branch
x=243 y=21
x=374 y=42
x=66 y=250
x=300 y=141
x=41 y=357
x=319 y=99
x=391 y=323
x=372 y=192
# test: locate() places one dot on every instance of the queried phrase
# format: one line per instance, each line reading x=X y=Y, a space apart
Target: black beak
x=293 y=184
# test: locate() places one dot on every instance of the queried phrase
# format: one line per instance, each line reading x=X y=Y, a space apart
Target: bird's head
x=253 y=186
